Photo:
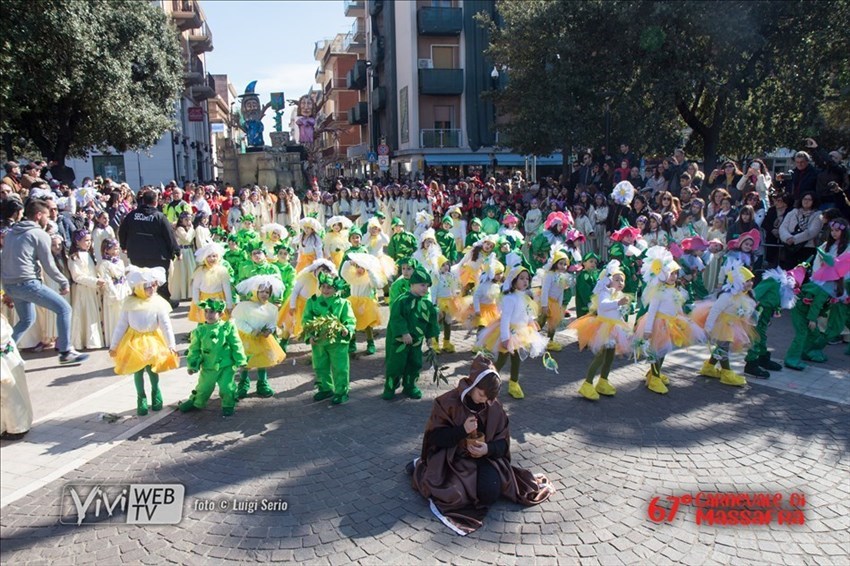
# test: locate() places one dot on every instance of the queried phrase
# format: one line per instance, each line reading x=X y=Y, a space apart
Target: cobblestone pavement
x=340 y=471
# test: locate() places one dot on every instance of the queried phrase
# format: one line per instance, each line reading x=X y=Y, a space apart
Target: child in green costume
x=216 y=351
x=775 y=292
x=413 y=319
x=446 y=240
x=235 y=255
x=490 y=223
x=474 y=234
x=402 y=243
x=330 y=352
x=258 y=264
x=401 y=286
x=585 y=282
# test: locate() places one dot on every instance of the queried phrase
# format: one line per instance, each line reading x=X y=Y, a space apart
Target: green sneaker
x=141 y=406
x=227 y=411
x=264 y=390
x=340 y=399
x=322 y=395
x=370 y=348
x=156 y=400
x=388 y=394
x=187 y=405
x=243 y=387
x=413 y=392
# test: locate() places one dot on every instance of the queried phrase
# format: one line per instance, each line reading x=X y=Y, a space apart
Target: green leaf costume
x=447 y=245
x=812 y=303
x=418 y=317
x=402 y=245
x=330 y=357
x=585 y=282
x=215 y=350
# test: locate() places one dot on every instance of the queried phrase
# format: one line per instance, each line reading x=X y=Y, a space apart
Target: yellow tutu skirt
x=468 y=276
x=598 y=332
x=525 y=340
x=452 y=308
x=304 y=260
x=262 y=351
x=137 y=350
x=336 y=257
x=366 y=312
x=738 y=331
x=489 y=313
x=669 y=333
x=197 y=315
x=291 y=325
x=555 y=314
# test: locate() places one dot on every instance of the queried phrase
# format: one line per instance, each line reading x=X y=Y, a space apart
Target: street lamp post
x=494 y=77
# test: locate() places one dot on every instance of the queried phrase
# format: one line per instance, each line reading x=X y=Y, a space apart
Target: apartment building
x=427 y=72
x=187 y=153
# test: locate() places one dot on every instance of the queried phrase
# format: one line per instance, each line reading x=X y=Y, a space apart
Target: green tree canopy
x=85 y=74
x=745 y=76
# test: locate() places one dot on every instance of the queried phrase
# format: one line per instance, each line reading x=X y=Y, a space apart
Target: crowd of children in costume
x=641 y=291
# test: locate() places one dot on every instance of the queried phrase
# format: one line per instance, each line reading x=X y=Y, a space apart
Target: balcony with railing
x=357 y=76
x=441 y=82
x=439 y=21
x=200 y=39
x=355 y=39
x=193 y=71
x=335 y=83
x=319 y=49
x=204 y=90
x=440 y=138
x=354 y=8
x=185 y=14
x=359 y=113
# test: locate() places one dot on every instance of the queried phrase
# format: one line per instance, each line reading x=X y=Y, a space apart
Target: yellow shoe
x=709 y=370
x=648 y=376
x=656 y=385
x=664 y=379
x=514 y=390
x=553 y=346
x=587 y=391
x=605 y=388
x=729 y=377
x=435 y=345
x=448 y=347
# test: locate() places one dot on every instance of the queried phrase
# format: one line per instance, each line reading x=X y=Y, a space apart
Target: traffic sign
x=372 y=157
x=383 y=149
x=384 y=162
x=339 y=165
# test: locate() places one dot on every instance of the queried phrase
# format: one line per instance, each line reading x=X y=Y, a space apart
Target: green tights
x=601 y=363
x=655 y=366
x=447 y=332
x=139 y=377
x=503 y=357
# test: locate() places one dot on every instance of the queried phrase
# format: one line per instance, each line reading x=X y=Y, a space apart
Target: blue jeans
x=30 y=293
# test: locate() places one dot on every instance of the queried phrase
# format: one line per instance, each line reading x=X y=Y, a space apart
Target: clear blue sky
x=272 y=43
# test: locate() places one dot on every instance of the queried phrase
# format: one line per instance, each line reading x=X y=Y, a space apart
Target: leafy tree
x=84 y=74
x=744 y=76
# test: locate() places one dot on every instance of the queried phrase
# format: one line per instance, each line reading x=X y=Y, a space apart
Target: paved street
x=340 y=469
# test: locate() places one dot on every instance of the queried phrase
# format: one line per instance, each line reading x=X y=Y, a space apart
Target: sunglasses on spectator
x=837 y=225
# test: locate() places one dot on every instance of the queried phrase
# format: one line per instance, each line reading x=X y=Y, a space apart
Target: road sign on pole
x=372 y=157
x=384 y=162
x=383 y=149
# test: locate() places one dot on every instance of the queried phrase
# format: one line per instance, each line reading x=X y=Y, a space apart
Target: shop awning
x=502 y=159
x=457 y=159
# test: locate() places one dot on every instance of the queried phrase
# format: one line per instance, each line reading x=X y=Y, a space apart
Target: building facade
x=187 y=153
x=427 y=82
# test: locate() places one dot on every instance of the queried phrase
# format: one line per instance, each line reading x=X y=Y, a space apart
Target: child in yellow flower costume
x=605 y=329
x=143 y=339
x=210 y=281
x=365 y=275
x=516 y=334
x=728 y=321
x=446 y=295
x=256 y=321
x=309 y=243
x=336 y=239
x=664 y=327
x=556 y=281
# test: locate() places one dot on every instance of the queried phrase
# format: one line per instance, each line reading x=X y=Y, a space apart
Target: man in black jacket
x=148 y=238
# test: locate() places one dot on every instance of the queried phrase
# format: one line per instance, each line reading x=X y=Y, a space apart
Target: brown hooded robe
x=448 y=476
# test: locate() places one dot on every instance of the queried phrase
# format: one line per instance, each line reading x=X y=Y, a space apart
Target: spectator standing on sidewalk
x=26 y=251
x=148 y=238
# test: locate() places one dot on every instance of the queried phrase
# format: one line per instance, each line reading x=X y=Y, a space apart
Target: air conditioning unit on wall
x=426 y=63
